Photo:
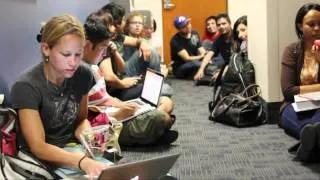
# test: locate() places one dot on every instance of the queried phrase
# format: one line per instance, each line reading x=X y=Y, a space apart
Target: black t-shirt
x=179 y=43
x=119 y=41
x=223 y=46
x=58 y=106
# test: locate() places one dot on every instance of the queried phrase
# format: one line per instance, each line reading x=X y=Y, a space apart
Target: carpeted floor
x=214 y=151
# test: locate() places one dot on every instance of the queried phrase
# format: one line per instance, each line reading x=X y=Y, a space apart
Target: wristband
x=80 y=162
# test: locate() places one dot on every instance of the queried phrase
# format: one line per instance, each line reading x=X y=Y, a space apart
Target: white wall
x=271 y=29
x=20 y=22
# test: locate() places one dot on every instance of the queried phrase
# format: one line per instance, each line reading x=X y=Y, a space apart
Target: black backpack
x=240 y=74
x=233 y=78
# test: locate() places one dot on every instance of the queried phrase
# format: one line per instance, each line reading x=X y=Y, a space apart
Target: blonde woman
x=51 y=97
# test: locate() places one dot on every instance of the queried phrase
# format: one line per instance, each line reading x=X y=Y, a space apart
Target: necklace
x=52 y=86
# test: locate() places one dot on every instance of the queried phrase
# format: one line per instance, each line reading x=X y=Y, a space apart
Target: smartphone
x=317 y=42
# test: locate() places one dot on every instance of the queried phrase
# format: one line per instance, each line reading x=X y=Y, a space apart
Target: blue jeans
x=294 y=122
x=218 y=61
x=136 y=65
x=187 y=69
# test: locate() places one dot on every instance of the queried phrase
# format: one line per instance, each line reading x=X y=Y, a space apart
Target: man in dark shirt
x=186 y=49
x=222 y=46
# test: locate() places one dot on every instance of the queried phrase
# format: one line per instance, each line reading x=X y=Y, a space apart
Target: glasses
x=136 y=22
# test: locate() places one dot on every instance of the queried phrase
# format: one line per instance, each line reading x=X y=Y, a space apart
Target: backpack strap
x=234 y=57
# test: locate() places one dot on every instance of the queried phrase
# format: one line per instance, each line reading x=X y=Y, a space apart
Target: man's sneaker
x=308 y=141
x=168 y=137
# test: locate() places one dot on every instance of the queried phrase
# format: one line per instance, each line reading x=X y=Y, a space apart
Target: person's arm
x=143 y=46
x=206 y=60
x=124 y=111
x=82 y=121
x=202 y=51
x=108 y=74
x=112 y=79
x=32 y=129
x=288 y=80
x=185 y=56
x=120 y=64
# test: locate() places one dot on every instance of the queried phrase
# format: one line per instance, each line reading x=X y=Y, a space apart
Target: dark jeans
x=128 y=93
x=187 y=70
x=135 y=64
x=218 y=61
x=293 y=122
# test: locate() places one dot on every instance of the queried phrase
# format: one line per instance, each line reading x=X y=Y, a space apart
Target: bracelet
x=80 y=162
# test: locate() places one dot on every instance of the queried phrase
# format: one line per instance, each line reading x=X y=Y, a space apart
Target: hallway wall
x=20 y=22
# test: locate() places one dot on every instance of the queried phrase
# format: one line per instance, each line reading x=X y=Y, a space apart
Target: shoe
x=308 y=141
x=173 y=118
x=168 y=137
x=317 y=127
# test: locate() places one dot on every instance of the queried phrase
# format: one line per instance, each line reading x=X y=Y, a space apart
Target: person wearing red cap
x=186 y=49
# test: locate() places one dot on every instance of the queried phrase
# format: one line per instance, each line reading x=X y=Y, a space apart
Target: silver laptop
x=147 y=169
x=150 y=95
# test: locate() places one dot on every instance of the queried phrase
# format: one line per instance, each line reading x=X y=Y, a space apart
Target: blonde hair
x=309 y=72
x=59 y=26
x=129 y=18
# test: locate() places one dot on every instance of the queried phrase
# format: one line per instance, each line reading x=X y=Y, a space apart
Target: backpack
x=240 y=74
x=234 y=78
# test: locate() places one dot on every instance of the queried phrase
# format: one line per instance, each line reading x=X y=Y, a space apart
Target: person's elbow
x=38 y=148
x=110 y=78
x=289 y=92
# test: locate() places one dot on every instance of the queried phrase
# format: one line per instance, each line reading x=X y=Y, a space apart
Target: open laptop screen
x=152 y=87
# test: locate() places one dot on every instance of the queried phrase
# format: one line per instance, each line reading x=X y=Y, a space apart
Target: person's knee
x=154 y=62
x=166 y=104
x=196 y=64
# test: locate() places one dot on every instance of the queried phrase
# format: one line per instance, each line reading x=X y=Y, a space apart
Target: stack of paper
x=307 y=101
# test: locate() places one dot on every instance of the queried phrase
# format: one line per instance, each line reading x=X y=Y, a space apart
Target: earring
x=46 y=59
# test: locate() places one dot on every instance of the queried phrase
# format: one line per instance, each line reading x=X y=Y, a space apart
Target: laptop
x=150 y=95
x=146 y=169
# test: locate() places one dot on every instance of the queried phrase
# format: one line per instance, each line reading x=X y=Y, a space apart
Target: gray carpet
x=214 y=151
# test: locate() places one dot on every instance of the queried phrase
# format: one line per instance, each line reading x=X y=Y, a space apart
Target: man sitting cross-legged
x=149 y=128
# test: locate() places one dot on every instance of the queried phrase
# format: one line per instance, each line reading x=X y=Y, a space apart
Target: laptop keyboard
x=138 y=102
x=144 y=108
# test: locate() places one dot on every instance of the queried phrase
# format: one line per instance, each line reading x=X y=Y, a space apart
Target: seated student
x=186 y=50
x=121 y=82
x=144 y=55
x=222 y=46
x=211 y=32
x=240 y=35
x=229 y=80
x=134 y=28
x=239 y=41
x=148 y=31
x=150 y=128
x=300 y=74
x=51 y=97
